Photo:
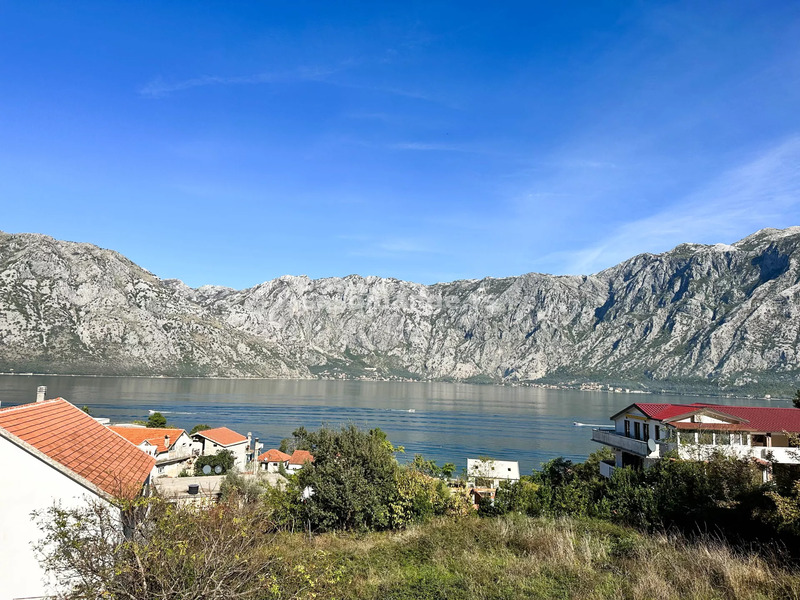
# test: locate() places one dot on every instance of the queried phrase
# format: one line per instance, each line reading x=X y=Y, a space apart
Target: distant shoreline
x=550 y=386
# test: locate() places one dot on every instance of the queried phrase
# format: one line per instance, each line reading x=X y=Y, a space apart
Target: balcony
x=610 y=437
x=607 y=469
x=779 y=455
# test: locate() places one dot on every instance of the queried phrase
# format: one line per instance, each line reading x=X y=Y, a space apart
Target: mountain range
x=715 y=316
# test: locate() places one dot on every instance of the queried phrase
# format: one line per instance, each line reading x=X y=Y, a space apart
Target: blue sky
x=234 y=142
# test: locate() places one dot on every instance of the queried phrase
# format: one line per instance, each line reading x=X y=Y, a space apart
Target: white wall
x=240 y=455
x=239 y=452
x=26 y=484
x=493 y=469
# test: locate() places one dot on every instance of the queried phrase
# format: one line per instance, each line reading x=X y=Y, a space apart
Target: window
x=705 y=438
x=637 y=427
x=723 y=438
x=658 y=432
x=646 y=431
x=627 y=428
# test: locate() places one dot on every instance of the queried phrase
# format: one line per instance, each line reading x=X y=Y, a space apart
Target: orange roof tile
x=222 y=436
x=301 y=457
x=67 y=435
x=154 y=435
x=274 y=455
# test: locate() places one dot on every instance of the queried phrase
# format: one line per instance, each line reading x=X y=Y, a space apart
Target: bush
x=171 y=551
x=354 y=478
x=421 y=496
x=223 y=459
x=238 y=488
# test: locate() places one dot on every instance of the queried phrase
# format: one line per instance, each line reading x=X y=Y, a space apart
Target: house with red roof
x=645 y=431
x=212 y=441
x=52 y=451
x=272 y=460
x=298 y=460
x=172 y=448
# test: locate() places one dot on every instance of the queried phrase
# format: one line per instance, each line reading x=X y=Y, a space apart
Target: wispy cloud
x=160 y=87
x=761 y=193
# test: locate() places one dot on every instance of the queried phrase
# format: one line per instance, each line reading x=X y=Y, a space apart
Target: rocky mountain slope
x=722 y=315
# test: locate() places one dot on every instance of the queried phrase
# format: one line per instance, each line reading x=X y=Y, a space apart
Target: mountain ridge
x=724 y=316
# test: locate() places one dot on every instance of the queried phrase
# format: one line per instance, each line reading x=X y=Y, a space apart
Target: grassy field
x=521 y=557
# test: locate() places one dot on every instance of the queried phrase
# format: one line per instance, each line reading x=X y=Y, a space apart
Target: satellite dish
x=651 y=445
x=207 y=470
x=217 y=469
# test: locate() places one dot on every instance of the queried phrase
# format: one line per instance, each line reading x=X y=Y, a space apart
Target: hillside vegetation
x=376 y=529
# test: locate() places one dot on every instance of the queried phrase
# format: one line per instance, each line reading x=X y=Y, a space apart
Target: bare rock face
x=76 y=308
x=725 y=315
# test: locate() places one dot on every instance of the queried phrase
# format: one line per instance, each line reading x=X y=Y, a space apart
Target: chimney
x=166 y=441
x=40 y=393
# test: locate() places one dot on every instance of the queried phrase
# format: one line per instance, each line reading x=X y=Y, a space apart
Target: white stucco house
x=272 y=460
x=53 y=452
x=643 y=432
x=491 y=471
x=172 y=448
x=298 y=460
x=212 y=441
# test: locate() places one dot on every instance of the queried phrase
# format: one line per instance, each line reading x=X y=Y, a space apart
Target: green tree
x=199 y=427
x=424 y=466
x=520 y=496
x=223 y=459
x=85 y=408
x=353 y=476
x=157 y=420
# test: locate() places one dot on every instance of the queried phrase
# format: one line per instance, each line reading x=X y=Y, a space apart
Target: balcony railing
x=606 y=469
x=610 y=437
x=780 y=455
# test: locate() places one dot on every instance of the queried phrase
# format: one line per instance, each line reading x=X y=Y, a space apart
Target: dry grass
x=523 y=558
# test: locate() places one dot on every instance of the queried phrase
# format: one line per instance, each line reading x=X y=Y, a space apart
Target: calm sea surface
x=448 y=422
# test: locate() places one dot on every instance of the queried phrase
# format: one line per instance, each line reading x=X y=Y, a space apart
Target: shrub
x=170 y=552
x=223 y=459
x=354 y=478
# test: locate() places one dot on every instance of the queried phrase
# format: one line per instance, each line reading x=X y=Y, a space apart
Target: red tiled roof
x=758 y=418
x=222 y=436
x=67 y=435
x=766 y=419
x=664 y=411
x=154 y=435
x=274 y=455
x=300 y=457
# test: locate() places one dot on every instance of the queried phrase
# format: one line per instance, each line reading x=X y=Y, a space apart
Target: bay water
x=446 y=422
